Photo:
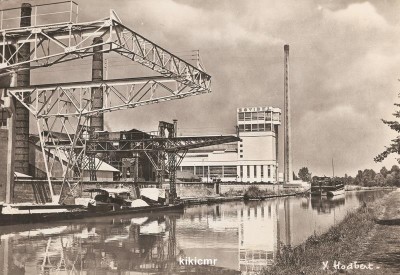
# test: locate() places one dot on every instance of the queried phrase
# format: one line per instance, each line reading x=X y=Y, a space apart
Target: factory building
x=253 y=159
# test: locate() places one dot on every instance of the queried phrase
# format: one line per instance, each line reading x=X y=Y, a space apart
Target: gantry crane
x=67 y=108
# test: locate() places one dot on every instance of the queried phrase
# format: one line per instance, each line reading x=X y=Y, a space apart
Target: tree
x=395 y=175
x=393 y=147
x=379 y=179
x=368 y=177
x=358 y=179
x=395 y=169
x=304 y=174
x=384 y=171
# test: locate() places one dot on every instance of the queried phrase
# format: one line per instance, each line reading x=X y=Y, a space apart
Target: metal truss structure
x=65 y=109
x=165 y=152
x=62 y=42
x=74 y=99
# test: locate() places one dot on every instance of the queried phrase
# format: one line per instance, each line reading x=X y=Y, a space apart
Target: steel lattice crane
x=68 y=106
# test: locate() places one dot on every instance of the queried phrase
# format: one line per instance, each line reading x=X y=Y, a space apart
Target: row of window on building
x=265 y=171
x=267 y=127
x=231 y=171
x=262 y=115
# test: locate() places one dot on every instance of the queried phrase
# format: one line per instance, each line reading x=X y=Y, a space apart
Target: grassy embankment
x=343 y=242
x=253 y=192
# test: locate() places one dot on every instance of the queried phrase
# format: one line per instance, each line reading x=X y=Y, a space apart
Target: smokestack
x=22 y=113
x=288 y=175
x=97 y=121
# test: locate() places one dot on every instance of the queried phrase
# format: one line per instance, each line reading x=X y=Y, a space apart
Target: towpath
x=382 y=247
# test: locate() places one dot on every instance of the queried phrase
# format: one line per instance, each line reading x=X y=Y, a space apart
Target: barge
x=108 y=202
x=326 y=186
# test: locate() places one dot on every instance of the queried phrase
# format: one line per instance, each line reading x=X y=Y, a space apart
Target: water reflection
x=327 y=204
x=241 y=236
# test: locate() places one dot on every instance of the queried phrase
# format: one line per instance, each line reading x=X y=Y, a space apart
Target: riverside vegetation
x=343 y=242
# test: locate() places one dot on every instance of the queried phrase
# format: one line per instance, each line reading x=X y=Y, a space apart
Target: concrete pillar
x=3 y=161
x=7 y=148
x=22 y=113
x=97 y=121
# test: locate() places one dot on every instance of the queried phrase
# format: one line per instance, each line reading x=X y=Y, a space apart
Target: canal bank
x=240 y=235
x=365 y=242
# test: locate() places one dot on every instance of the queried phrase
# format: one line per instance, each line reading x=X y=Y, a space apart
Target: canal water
x=241 y=237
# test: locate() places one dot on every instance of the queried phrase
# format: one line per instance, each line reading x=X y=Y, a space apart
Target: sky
x=344 y=70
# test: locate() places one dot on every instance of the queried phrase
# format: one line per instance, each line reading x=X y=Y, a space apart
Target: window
x=261 y=115
x=253 y=116
x=254 y=127
x=241 y=151
x=241 y=128
x=262 y=171
x=247 y=116
x=241 y=171
x=261 y=127
x=189 y=169
x=268 y=116
x=248 y=171
x=247 y=128
x=206 y=171
x=255 y=171
x=199 y=171
x=241 y=116
x=268 y=127
x=230 y=171
x=216 y=171
x=276 y=116
x=3 y=117
x=241 y=156
x=269 y=171
x=241 y=145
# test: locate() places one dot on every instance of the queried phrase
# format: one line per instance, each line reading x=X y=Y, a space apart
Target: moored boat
x=106 y=202
x=47 y=213
x=326 y=186
x=336 y=192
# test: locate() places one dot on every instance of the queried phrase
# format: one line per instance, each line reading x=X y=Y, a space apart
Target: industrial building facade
x=253 y=159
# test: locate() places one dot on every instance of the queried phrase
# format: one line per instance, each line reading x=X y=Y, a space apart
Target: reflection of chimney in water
x=288 y=240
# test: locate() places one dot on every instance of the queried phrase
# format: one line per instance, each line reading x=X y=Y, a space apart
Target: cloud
x=344 y=66
x=344 y=69
x=358 y=15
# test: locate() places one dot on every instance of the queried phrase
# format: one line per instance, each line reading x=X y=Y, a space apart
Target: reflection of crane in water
x=102 y=245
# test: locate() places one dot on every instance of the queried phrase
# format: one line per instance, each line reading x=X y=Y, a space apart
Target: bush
x=253 y=193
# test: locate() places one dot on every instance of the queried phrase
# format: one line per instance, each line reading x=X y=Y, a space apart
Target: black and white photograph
x=199 y=137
